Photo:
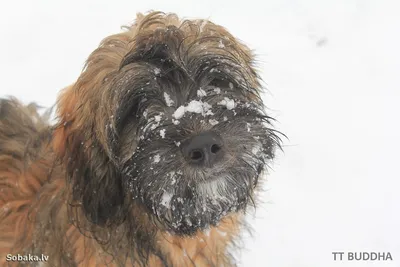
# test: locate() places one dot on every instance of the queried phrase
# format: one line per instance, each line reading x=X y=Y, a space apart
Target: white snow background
x=332 y=70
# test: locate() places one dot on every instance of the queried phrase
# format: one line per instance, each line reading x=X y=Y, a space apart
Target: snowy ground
x=332 y=69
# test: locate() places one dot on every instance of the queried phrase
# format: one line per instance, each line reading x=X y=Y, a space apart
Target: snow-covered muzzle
x=183 y=197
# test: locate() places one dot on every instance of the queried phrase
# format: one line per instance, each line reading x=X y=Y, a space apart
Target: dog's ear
x=96 y=184
x=102 y=195
x=91 y=176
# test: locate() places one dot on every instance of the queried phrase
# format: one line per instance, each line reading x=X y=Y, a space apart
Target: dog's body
x=155 y=156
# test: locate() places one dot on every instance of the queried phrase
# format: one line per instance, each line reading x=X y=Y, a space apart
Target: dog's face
x=180 y=123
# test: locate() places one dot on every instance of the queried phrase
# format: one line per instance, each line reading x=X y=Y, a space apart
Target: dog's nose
x=204 y=149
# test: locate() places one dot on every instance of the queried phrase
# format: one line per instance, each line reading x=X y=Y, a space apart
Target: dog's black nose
x=204 y=149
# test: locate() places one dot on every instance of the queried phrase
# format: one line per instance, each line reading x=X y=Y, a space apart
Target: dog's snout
x=203 y=149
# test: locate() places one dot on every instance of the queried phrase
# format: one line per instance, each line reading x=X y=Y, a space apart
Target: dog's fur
x=108 y=185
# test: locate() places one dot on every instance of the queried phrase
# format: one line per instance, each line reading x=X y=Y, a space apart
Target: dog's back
x=23 y=134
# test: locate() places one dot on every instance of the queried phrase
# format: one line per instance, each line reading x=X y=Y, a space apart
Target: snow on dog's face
x=182 y=97
x=187 y=194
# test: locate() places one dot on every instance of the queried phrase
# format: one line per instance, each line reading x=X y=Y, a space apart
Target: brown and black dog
x=155 y=157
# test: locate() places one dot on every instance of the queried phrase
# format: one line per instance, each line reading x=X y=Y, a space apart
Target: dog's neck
x=206 y=248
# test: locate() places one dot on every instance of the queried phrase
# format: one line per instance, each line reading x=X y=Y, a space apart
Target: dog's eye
x=221 y=83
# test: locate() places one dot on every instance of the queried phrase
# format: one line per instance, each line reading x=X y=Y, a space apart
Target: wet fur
x=64 y=189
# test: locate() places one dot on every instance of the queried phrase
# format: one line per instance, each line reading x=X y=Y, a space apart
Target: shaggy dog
x=155 y=157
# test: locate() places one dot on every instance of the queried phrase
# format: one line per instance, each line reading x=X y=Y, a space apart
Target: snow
x=217 y=90
x=166 y=199
x=162 y=133
x=194 y=106
x=168 y=99
x=179 y=112
x=209 y=113
x=213 y=122
x=157 y=158
x=229 y=103
x=157 y=71
x=201 y=93
x=331 y=69
x=248 y=127
x=157 y=118
x=154 y=126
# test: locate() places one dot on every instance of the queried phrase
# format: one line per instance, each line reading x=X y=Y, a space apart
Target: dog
x=154 y=158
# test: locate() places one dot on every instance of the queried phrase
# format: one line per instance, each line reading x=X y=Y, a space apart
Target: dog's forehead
x=165 y=36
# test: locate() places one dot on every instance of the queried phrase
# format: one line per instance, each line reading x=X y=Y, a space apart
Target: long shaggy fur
x=107 y=185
